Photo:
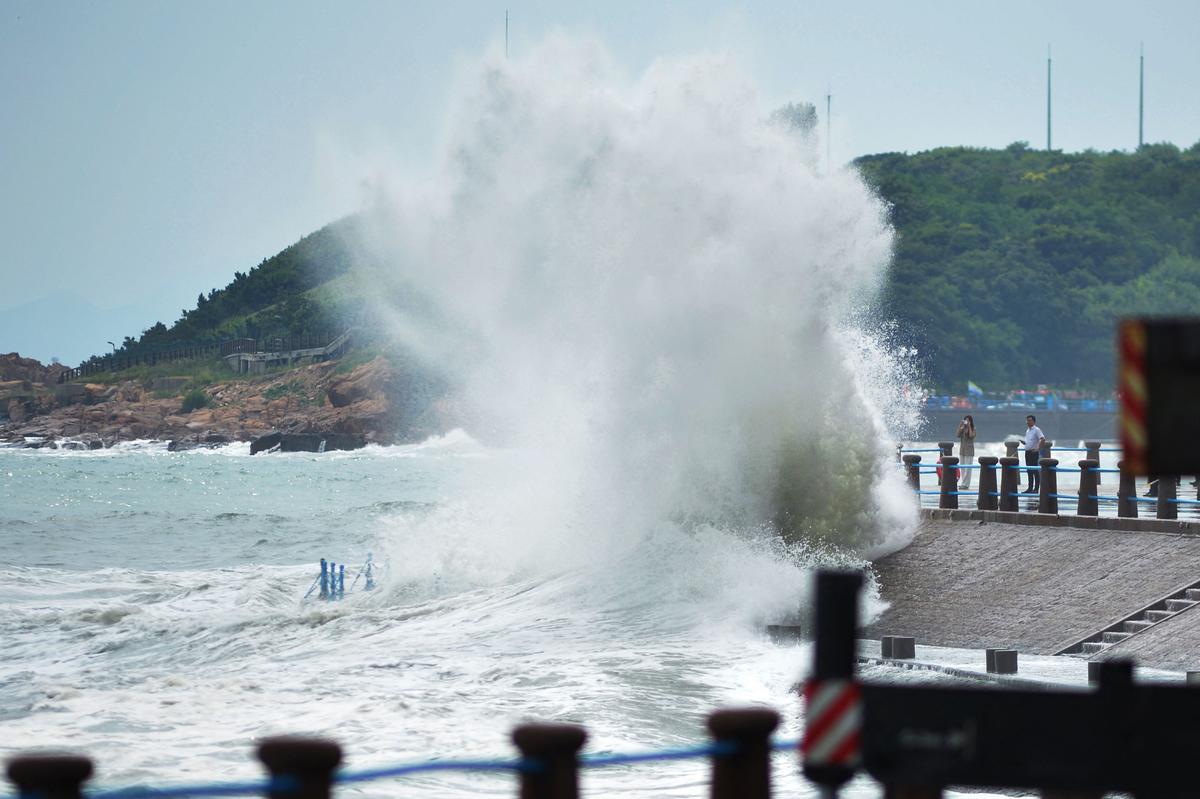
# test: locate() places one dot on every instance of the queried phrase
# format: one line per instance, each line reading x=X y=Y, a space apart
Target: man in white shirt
x=1034 y=441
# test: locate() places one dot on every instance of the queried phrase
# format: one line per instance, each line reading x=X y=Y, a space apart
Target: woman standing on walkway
x=966 y=449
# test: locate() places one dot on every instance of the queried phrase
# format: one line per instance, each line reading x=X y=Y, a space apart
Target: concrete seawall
x=978 y=580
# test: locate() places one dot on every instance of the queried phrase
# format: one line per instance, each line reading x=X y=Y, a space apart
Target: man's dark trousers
x=1035 y=475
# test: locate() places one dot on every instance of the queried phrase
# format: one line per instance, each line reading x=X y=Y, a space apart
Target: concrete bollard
x=1001 y=661
x=1110 y=673
x=912 y=468
x=1127 y=506
x=1166 y=509
x=50 y=776
x=745 y=774
x=556 y=749
x=1047 y=501
x=949 y=495
x=1009 y=483
x=301 y=768
x=987 y=483
x=1087 y=489
x=1093 y=454
x=1010 y=448
x=904 y=647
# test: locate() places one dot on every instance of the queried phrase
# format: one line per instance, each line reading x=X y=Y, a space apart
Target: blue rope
x=920 y=450
x=281 y=784
x=1184 y=501
x=285 y=784
x=1104 y=499
x=1067 y=497
x=719 y=749
x=367 y=775
x=1105 y=471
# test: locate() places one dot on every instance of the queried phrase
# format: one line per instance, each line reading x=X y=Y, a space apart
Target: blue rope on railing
x=1104 y=499
x=720 y=749
x=921 y=450
x=1105 y=471
x=281 y=784
x=1067 y=497
x=1184 y=501
x=527 y=765
x=366 y=775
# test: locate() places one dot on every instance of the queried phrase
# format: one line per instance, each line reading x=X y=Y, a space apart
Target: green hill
x=1013 y=265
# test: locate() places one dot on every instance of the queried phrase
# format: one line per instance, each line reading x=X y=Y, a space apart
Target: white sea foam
x=650 y=291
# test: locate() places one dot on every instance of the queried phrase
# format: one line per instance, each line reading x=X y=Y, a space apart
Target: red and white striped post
x=831 y=746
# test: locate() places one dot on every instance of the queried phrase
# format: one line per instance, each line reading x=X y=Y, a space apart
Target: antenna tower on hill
x=1048 y=97
x=1141 y=92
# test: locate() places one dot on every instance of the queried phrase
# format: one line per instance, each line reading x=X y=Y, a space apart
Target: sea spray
x=648 y=290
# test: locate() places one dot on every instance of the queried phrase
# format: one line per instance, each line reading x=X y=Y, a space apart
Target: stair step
x=1137 y=626
x=1176 y=605
x=1093 y=647
x=1193 y=594
x=1158 y=615
x=1114 y=638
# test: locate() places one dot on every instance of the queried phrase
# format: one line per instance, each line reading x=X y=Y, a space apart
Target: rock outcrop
x=373 y=403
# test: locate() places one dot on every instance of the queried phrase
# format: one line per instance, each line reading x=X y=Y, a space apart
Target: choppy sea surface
x=153 y=617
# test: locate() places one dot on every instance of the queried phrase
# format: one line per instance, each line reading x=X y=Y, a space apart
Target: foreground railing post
x=1167 y=508
x=301 y=768
x=1010 y=448
x=1047 y=501
x=50 y=776
x=555 y=750
x=1088 y=488
x=831 y=747
x=1009 y=479
x=1127 y=506
x=912 y=468
x=987 y=483
x=949 y=495
x=746 y=773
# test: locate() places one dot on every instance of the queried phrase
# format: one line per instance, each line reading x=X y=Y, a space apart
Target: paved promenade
x=976 y=583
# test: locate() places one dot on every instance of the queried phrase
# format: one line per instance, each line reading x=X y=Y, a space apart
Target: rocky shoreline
x=373 y=403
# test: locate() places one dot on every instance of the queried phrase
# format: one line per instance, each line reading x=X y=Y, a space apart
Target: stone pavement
x=1037 y=589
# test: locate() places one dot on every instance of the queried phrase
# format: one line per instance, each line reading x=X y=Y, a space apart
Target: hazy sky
x=149 y=149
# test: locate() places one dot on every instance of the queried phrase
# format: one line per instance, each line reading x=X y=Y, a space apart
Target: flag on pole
x=974 y=390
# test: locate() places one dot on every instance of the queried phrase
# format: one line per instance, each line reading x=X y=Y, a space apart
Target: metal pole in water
x=324 y=580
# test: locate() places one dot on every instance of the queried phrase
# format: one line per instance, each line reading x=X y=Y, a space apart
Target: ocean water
x=152 y=617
